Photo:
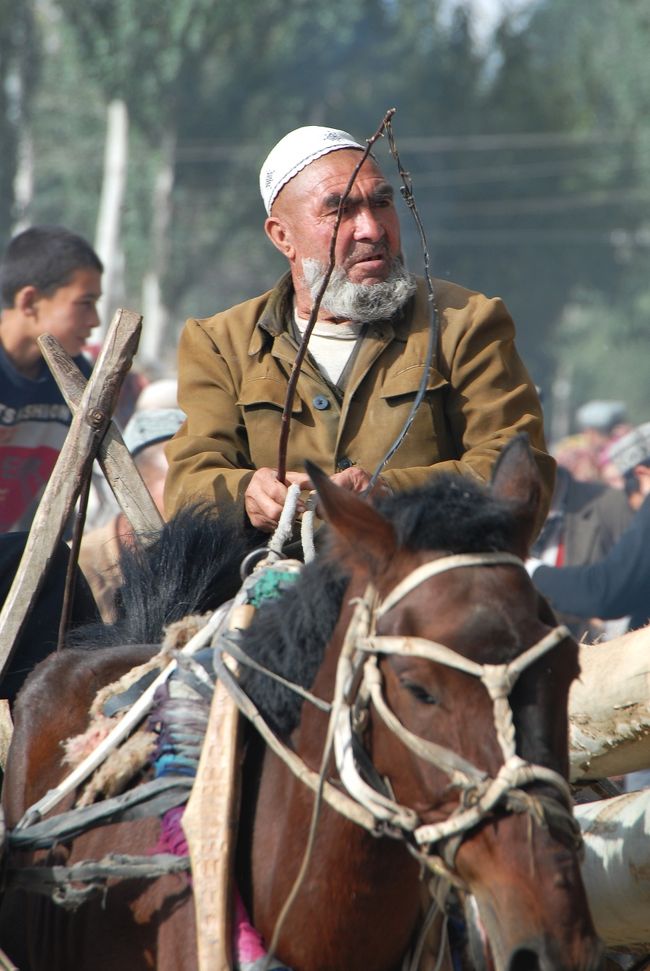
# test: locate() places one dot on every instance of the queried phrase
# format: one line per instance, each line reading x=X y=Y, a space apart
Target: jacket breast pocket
x=261 y=401
x=428 y=439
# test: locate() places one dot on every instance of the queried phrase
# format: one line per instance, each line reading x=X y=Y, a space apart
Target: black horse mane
x=193 y=566
x=450 y=514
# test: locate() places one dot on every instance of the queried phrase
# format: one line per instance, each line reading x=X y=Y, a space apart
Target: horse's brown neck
x=42 y=722
x=353 y=882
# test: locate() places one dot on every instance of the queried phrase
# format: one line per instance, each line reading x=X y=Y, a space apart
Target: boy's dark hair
x=44 y=257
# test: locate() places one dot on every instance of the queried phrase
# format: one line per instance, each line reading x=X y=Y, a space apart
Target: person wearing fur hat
x=366 y=360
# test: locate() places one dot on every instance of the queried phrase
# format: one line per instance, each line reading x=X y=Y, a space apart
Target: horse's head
x=455 y=678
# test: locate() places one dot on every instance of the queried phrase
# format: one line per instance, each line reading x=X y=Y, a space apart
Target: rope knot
x=499 y=679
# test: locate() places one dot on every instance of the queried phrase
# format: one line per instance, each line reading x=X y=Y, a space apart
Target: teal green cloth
x=271 y=584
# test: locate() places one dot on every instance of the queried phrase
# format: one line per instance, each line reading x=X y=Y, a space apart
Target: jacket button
x=321 y=402
x=344 y=463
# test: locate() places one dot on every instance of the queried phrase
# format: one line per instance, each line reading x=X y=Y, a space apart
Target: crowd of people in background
x=586 y=453
x=592 y=557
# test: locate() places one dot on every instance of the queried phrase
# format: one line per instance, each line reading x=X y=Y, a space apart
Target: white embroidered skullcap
x=294 y=152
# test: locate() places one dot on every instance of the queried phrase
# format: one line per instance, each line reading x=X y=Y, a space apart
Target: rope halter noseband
x=359 y=682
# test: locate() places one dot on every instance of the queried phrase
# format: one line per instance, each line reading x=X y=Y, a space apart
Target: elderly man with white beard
x=366 y=361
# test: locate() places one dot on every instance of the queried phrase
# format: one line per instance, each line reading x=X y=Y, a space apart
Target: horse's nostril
x=524 y=960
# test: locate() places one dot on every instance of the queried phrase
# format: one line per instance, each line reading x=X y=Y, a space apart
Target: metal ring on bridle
x=253 y=559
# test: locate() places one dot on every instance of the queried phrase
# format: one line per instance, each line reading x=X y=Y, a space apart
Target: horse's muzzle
x=542 y=955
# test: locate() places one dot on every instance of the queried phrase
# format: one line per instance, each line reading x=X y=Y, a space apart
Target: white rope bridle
x=359 y=683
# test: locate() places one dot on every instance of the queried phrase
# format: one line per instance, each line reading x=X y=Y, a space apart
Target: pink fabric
x=172 y=838
x=248 y=942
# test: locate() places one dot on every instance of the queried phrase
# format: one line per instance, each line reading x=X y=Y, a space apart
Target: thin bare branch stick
x=302 y=350
x=432 y=347
x=73 y=561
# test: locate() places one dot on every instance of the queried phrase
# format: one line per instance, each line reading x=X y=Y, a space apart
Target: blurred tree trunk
x=155 y=310
x=23 y=187
x=108 y=237
x=20 y=60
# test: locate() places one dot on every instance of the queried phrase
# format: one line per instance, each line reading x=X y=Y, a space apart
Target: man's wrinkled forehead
x=323 y=183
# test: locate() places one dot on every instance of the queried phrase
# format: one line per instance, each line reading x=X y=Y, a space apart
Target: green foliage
x=137 y=50
x=68 y=144
x=599 y=53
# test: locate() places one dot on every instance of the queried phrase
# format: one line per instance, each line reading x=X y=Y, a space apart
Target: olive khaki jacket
x=233 y=373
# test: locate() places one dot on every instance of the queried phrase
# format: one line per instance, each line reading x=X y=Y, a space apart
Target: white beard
x=360 y=301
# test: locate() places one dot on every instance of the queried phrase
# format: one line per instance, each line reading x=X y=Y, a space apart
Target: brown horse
x=461 y=711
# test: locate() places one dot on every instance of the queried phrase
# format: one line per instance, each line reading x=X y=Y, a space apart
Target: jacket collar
x=276 y=318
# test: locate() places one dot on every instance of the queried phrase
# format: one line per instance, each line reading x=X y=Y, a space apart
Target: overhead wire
x=208 y=151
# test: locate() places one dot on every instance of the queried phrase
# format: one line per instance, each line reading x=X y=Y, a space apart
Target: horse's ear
x=516 y=480
x=362 y=534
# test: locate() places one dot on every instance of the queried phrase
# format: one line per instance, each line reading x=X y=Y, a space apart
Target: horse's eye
x=419 y=693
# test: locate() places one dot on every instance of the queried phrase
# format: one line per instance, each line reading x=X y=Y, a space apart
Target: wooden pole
x=6 y=964
x=73 y=561
x=88 y=427
x=114 y=457
x=616 y=867
x=609 y=708
x=210 y=826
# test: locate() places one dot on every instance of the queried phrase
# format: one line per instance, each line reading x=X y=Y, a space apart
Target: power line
x=555 y=203
x=210 y=151
x=537 y=237
x=505 y=173
x=511 y=140
x=247 y=191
